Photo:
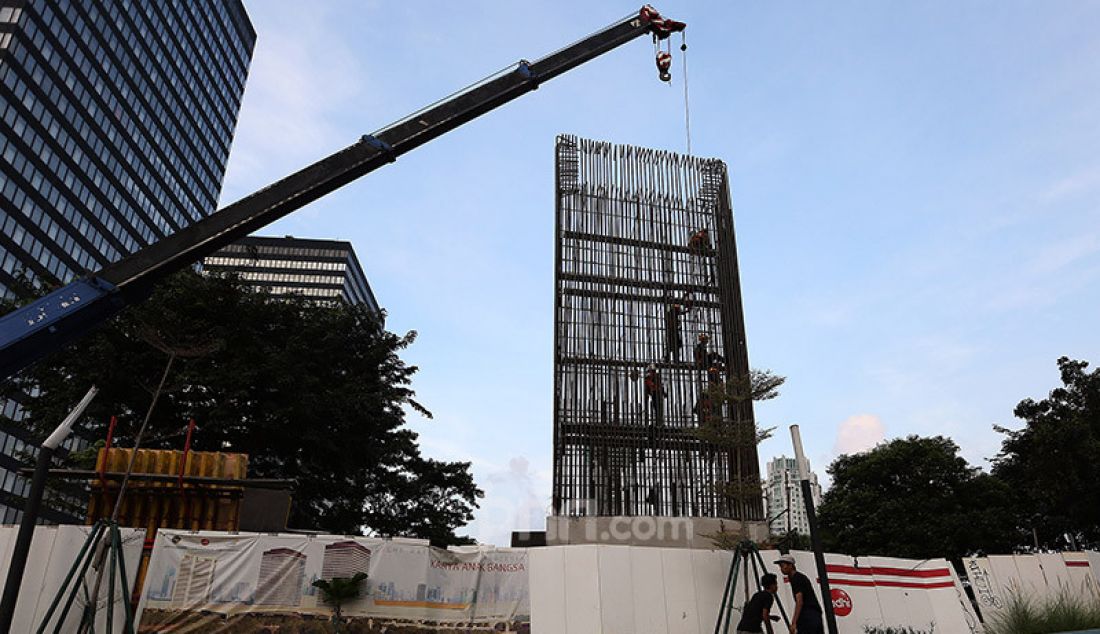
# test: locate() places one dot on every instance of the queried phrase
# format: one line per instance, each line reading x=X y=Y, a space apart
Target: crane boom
x=44 y=326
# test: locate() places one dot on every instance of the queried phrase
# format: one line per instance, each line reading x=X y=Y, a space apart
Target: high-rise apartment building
x=194 y=581
x=345 y=560
x=115 y=125
x=783 y=496
x=323 y=270
x=282 y=572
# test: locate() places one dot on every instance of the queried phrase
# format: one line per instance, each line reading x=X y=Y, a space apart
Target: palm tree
x=338 y=591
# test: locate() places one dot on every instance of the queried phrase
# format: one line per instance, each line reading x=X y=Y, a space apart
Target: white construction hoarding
x=54 y=550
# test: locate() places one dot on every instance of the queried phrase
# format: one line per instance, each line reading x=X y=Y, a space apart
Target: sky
x=916 y=192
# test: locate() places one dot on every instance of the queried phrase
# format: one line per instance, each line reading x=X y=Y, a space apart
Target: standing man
x=655 y=392
x=807 y=610
x=756 y=617
x=673 y=340
x=700 y=354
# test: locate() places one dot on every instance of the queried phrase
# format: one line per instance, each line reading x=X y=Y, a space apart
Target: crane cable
x=687 y=108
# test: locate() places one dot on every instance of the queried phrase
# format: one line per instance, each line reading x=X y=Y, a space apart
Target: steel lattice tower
x=631 y=290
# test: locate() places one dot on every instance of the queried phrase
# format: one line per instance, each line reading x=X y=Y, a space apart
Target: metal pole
x=30 y=512
x=727 y=594
x=103 y=551
x=787 y=486
x=815 y=537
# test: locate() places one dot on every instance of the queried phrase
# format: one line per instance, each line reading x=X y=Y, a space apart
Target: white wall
x=631 y=589
x=53 y=551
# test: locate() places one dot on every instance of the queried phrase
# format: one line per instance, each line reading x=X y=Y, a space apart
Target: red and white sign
x=842 y=603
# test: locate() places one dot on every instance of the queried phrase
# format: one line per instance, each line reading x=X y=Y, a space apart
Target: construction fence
x=54 y=549
x=214 y=581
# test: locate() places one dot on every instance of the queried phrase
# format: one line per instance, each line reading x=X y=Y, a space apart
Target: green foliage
x=1051 y=464
x=726 y=539
x=726 y=423
x=312 y=393
x=916 y=498
x=86 y=458
x=338 y=591
x=1066 y=612
x=764 y=384
x=792 y=540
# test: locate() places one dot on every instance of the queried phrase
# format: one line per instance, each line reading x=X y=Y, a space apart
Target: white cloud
x=301 y=80
x=1057 y=255
x=516 y=498
x=859 y=433
x=1082 y=182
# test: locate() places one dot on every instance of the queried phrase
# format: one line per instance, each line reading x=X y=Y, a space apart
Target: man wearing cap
x=807 y=611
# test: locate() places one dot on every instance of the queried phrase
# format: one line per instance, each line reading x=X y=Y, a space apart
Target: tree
x=788 y=541
x=312 y=393
x=1052 y=465
x=915 y=497
x=338 y=591
x=724 y=411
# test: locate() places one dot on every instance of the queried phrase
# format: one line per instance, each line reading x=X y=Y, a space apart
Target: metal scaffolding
x=636 y=285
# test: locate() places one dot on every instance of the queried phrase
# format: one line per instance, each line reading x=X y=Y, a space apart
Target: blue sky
x=915 y=189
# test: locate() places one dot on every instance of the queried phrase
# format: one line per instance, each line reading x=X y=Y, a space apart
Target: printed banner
x=224 y=582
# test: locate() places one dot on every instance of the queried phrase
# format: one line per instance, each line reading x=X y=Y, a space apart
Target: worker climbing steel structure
x=647 y=315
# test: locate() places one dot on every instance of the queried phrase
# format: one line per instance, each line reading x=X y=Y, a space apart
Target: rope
x=687 y=108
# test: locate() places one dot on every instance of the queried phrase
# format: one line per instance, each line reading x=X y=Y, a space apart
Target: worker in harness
x=655 y=393
x=704 y=408
x=673 y=340
x=715 y=371
x=700 y=354
x=699 y=243
x=709 y=361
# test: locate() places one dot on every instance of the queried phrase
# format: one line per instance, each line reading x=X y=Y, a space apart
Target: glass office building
x=115 y=127
x=116 y=119
x=324 y=270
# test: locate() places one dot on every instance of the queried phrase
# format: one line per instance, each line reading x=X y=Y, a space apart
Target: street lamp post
x=815 y=538
x=30 y=511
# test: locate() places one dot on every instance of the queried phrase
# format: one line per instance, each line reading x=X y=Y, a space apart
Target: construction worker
x=704 y=408
x=699 y=242
x=715 y=372
x=673 y=340
x=700 y=354
x=807 y=609
x=655 y=392
x=756 y=617
x=704 y=358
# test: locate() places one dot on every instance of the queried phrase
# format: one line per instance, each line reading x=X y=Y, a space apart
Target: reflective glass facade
x=325 y=270
x=116 y=118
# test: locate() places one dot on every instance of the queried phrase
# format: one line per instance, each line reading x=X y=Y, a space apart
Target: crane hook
x=664 y=64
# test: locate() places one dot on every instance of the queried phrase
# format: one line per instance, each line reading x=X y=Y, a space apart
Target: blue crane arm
x=44 y=326
x=55 y=320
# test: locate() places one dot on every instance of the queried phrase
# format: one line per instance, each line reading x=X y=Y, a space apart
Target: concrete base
x=662 y=532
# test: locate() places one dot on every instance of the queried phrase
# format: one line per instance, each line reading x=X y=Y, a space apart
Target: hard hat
x=652 y=366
